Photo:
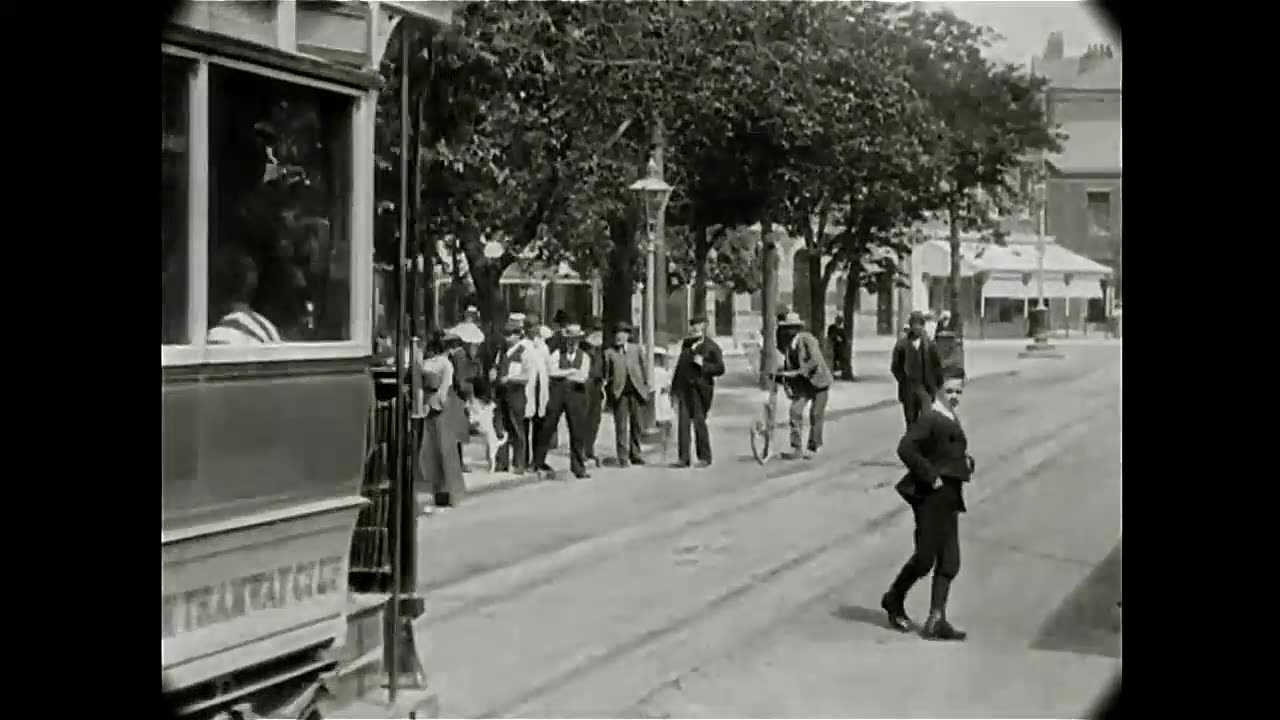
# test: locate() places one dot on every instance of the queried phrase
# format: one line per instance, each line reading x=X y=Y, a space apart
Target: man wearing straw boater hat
x=570 y=373
x=809 y=378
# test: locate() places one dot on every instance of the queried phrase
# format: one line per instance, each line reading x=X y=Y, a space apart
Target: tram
x=266 y=393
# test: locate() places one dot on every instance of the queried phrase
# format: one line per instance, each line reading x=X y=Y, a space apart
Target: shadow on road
x=860 y=614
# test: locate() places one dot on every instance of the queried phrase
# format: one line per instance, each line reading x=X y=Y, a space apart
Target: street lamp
x=1040 y=347
x=655 y=193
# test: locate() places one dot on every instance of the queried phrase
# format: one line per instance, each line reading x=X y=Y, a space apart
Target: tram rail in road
x=468 y=606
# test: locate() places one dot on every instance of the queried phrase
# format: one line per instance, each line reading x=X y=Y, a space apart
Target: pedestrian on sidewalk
x=917 y=367
x=693 y=386
x=664 y=412
x=627 y=391
x=443 y=428
x=809 y=379
x=839 y=347
x=935 y=451
x=510 y=375
x=537 y=391
x=593 y=345
x=569 y=373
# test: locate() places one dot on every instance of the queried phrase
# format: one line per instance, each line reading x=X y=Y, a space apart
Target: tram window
x=175 y=75
x=279 y=208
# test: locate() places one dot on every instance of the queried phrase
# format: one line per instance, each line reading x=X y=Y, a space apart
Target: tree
x=989 y=121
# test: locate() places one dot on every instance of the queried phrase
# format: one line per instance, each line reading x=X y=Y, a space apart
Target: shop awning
x=1019 y=255
x=1056 y=286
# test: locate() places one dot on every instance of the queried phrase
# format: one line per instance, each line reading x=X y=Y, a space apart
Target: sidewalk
x=737 y=404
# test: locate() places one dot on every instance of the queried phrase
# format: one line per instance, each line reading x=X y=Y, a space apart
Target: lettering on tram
x=210 y=605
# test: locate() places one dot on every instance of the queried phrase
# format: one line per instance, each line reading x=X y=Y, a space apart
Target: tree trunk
x=619 y=281
x=485 y=274
x=769 y=302
x=953 y=283
x=817 y=294
x=701 y=248
x=849 y=306
x=658 y=138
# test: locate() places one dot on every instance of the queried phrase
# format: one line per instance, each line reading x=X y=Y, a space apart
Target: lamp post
x=654 y=192
x=1040 y=347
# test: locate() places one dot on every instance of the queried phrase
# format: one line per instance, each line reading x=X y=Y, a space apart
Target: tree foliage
x=844 y=124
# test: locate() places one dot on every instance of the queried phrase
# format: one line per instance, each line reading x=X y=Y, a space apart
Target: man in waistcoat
x=627 y=391
x=693 y=386
x=593 y=345
x=510 y=374
x=569 y=371
x=809 y=379
x=917 y=367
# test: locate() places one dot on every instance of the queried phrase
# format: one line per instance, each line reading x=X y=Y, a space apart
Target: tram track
x=475 y=593
x=710 y=631
x=568 y=666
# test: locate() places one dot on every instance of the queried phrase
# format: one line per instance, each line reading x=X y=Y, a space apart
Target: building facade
x=1085 y=188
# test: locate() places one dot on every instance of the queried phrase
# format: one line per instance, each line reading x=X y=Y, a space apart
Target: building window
x=280 y=259
x=1095 y=311
x=1099 y=202
x=175 y=82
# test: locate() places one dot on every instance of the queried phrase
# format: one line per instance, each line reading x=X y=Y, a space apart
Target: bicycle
x=762 y=427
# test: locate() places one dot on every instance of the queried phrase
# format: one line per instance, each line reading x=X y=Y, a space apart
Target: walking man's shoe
x=897 y=613
x=703 y=464
x=637 y=461
x=681 y=465
x=937 y=628
x=624 y=463
x=583 y=475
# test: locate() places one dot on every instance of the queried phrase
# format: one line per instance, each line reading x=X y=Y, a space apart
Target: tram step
x=360 y=658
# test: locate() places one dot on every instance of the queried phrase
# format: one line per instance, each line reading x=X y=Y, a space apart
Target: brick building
x=1085 y=187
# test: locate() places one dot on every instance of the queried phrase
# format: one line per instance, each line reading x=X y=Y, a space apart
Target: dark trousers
x=937 y=548
x=627 y=424
x=510 y=409
x=816 y=400
x=570 y=401
x=595 y=404
x=915 y=404
x=690 y=410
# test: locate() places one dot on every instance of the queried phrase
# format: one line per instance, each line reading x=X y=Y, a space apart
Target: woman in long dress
x=440 y=456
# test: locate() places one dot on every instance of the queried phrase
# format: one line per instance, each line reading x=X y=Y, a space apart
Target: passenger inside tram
x=240 y=324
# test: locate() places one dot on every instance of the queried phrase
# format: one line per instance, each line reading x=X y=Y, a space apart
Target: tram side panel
x=261 y=475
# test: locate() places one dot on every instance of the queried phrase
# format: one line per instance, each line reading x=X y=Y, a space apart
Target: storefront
x=1000 y=284
x=266 y=277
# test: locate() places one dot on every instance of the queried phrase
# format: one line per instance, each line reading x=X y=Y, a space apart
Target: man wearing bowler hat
x=693 y=386
x=917 y=367
x=570 y=372
x=626 y=386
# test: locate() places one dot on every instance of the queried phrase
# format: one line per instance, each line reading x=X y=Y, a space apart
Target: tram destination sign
x=210 y=605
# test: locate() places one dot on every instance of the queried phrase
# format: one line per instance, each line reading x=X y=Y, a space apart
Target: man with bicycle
x=808 y=380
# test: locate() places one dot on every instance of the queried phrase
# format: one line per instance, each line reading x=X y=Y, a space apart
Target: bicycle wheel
x=761 y=435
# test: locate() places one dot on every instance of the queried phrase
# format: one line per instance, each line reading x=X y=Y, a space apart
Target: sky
x=1026 y=25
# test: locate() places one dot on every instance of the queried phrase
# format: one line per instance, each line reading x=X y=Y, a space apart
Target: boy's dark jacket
x=934 y=447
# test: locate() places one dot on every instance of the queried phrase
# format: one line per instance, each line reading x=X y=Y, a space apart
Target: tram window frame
x=362 y=104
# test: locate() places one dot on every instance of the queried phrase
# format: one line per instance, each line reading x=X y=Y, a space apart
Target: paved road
x=748 y=591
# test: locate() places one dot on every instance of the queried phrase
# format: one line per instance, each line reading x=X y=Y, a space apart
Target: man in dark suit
x=593 y=346
x=935 y=451
x=693 y=386
x=839 y=346
x=917 y=367
x=809 y=379
x=626 y=386
x=510 y=375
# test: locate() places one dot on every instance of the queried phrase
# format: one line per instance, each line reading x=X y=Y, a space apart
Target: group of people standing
x=541 y=375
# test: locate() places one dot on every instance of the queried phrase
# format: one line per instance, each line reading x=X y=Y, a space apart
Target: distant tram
x=267 y=281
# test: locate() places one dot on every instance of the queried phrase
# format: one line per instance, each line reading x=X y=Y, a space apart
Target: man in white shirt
x=569 y=371
x=538 y=388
